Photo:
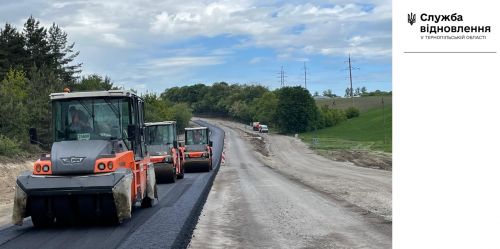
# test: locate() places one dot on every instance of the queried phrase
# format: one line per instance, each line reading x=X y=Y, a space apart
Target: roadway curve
x=168 y=224
x=252 y=205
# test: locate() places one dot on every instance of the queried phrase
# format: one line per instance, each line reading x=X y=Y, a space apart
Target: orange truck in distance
x=255 y=126
x=197 y=149
x=98 y=168
x=164 y=151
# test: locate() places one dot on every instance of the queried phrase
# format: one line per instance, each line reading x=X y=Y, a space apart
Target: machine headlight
x=101 y=166
x=110 y=165
x=45 y=168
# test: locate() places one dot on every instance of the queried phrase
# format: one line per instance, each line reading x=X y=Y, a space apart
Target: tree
x=265 y=108
x=93 y=82
x=328 y=93
x=296 y=110
x=347 y=92
x=62 y=54
x=157 y=109
x=316 y=94
x=13 y=105
x=12 y=52
x=182 y=115
x=363 y=90
x=37 y=45
x=42 y=82
x=357 y=92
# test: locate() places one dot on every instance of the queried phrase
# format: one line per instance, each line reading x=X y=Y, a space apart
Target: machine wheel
x=165 y=174
x=41 y=221
x=181 y=175
x=41 y=212
x=148 y=202
x=172 y=177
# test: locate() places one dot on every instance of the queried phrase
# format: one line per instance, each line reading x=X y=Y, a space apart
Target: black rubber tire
x=156 y=191
x=146 y=202
x=181 y=175
x=173 y=176
x=164 y=175
x=42 y=221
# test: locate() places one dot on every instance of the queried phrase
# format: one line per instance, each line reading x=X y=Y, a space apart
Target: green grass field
x=365 y=132
x=362 y=103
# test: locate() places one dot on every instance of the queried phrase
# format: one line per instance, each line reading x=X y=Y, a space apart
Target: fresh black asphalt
x=168 y=224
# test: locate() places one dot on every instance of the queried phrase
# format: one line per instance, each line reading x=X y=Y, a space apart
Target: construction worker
x=79 y=122
x=198 y=137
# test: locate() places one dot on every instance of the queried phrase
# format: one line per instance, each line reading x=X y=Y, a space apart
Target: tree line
x=36 y=61
x=358 y=91
x=287 y=109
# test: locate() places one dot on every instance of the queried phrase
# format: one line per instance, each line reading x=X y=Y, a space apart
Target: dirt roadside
x=367 y=188
x=252 y=205
x=368 y=159
x=10 y=170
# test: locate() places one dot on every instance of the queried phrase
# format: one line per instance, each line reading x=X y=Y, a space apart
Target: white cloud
x=114 y=39
x=185 y=61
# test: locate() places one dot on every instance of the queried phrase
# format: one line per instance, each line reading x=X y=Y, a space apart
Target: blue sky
x=153 y=45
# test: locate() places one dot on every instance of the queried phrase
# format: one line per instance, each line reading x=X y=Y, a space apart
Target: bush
x=352 y=112
x=332 y=117
x=8 y=147
x=338 y=116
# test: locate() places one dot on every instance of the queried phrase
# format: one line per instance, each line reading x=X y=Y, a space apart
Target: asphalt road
x=252 y=205
x=168 y=224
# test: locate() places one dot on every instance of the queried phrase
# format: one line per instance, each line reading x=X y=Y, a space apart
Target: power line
x=282 y=77
x=305 y=76
x=350 y=79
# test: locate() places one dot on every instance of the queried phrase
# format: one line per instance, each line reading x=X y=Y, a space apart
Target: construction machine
x=98 y=167
x=197 y=150
x=161 y=141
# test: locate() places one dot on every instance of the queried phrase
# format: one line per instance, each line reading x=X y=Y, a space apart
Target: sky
x=153 y=45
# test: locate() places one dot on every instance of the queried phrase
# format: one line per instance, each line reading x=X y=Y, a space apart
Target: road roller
x=98 y=168
x=164 y=151
x=197 y=150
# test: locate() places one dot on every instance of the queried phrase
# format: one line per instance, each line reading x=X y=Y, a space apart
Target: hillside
x=359 y=140
x=362 y=103
x=365 y=132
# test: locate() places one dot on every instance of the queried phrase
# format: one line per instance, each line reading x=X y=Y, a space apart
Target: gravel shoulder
x=252 y=205
x=10 y=170
x=367 y=188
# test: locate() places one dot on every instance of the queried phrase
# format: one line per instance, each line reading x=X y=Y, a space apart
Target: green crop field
x=365 y=132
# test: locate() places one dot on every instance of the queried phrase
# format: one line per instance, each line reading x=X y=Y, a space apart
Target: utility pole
x=282 y=77
x=305 y=75
x=383 y=120
x=350 y=80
